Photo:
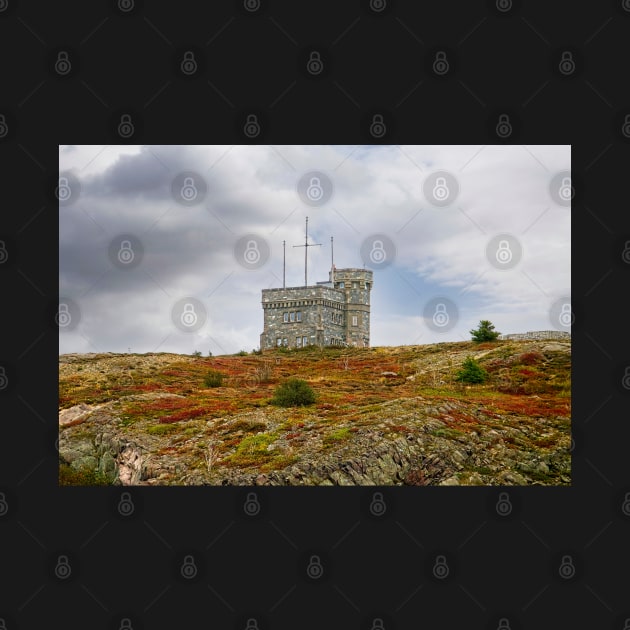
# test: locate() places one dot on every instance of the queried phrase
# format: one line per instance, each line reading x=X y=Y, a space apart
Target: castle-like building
x=331 y=313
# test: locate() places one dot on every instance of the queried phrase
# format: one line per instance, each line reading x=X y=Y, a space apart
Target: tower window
x=305 y=341
x=292 y=316
x=355 y=320
x=298 y=316
x=355 y=284
x=279 y=342
x=298 y=342
x=286 y=317
x=342 y=285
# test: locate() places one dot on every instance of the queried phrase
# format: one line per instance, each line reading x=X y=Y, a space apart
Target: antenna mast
x=332 y=261
x=306 y=246
x=284 y=264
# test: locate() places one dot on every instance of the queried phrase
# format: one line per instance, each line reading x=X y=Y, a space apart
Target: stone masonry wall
x=539 y=334
x=327 y=312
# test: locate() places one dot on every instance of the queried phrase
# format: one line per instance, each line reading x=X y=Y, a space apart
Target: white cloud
x=253 y=189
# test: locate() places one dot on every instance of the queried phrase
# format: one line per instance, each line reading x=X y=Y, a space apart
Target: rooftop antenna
x=332 y=261
x=284 y=264
x=306 y=246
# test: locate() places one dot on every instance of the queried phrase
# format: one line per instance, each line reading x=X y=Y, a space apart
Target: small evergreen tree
x=293 y=393
x=484 y=332
x=471 y=372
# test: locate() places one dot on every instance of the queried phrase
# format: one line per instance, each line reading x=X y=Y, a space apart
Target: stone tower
x=335 y=312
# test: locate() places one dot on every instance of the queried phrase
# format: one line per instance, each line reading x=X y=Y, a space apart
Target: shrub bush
x=293 y=392
x=471 y=372
x=213 y=378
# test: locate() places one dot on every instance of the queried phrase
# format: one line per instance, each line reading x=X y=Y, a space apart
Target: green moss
x=246 y=426
x=252 y=450
x=161 y=429
x=69 y=476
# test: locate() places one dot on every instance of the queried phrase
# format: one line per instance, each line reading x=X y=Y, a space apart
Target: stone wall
x=327 y=312
x=539 y=334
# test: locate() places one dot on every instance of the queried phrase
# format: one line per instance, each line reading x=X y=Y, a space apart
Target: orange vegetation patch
x=529 y=406
x=185 y=414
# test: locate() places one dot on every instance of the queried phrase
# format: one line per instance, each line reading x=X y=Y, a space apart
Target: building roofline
x=310 y=286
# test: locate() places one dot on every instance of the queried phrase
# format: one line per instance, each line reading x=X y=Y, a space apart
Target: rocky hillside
x=385 y=416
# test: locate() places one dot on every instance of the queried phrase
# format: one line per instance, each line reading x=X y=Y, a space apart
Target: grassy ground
x=351 y=385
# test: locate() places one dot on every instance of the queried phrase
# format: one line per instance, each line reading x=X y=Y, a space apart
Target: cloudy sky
x=454 y=234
